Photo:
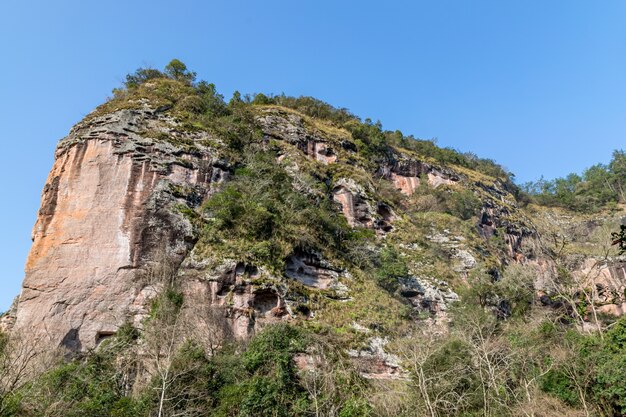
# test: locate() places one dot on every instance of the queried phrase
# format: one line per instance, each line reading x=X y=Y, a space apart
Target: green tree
x=178 y=71
x=141 y=75
x=261 y=99
x=617 y=168
x=212 y=102
x=236 y=99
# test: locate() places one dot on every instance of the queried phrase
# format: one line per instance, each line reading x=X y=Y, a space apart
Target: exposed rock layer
x=105 y=211
x=111 y=211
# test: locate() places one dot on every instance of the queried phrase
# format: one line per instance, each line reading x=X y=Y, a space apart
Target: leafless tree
x=436 y=389
x=21 y=359
x=571 y=287
x=324 y=372
x=179 y=319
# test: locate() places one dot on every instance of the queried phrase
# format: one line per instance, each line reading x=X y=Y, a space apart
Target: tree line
x=600 y=186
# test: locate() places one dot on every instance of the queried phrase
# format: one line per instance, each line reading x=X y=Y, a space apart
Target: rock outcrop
x=245 y=297
x=7 y=319
x=118 y=199
x=359 y=209
x=406 y=174
x=116 y=205
x=106 y=211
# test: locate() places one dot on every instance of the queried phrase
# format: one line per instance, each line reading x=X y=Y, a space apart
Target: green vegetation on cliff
x=257 y=380
x=432 y=309
x=199 y=105
x=600 y=186
x=261 y=219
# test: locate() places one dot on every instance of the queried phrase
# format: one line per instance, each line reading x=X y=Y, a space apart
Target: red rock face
x=109 y=215
x=101 y=218
x=321 y=152
x=406 y=174
x=353 y=203
x=406 y=185
x=77 y=272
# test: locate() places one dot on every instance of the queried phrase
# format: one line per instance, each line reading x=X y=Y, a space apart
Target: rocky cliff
x=107 y=209
x=126 y=192
x=277 y=256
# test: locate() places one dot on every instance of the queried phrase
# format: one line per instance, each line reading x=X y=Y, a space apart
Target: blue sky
x=539 y=86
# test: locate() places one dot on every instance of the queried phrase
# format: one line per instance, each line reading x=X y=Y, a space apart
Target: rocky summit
x=278 y=256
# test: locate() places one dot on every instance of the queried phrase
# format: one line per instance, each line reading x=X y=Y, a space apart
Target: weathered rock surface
x=376 y=363
x=500 y=215
x=359 y=209
x=312 y=271
x=106 y=211
x=7 y=319
x=607 y=279
x=354 y=203
x=428 y=294
x=114 y=207
x=247 y=297
x=406 y=174
x=292 y=129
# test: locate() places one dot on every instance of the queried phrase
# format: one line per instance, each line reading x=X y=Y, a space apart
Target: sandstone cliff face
x=116 y=202
x=7 y=319
x=406 y=174
x=111 y=210
x=105 y=212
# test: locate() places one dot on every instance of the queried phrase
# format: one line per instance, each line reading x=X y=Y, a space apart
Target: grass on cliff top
x=198 y=105
x=568 y=232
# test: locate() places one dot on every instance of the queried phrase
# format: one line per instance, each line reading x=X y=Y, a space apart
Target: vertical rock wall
x=105 y=212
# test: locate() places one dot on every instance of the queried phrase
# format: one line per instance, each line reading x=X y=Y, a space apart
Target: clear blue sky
x=539 y=86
